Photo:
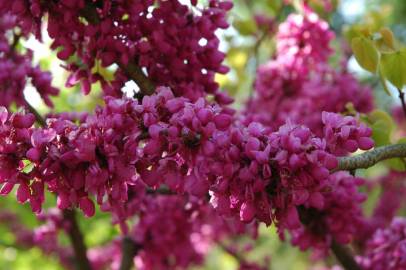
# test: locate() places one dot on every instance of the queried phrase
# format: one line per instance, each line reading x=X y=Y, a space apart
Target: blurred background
x=248 y=43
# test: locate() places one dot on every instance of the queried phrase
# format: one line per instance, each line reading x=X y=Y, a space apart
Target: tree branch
x=137 y=75
x=41 y=121
x=370 y=158
x=402 y=100
x=342 y=253
x=89 y=12
x=133 y=71
x=344 y=256
x=129 y=249
x=73 y=231
x=76 y=238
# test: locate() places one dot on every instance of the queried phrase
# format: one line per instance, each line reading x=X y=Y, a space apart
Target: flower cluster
x=344 y=134
x=273 y=166
x=166 y=230
x=281 y=176
x=155 y=141
x=44 y=237
x=339 y=219
x=399 y=117
x=392 y=199
x=15 y=140
x=240 y=172
x=303 y=40
x=299 y=90
x=283 y=93
x=303 y=166
x=25 y=14
x=16 y=69
x=172 y=232
x=387 y=248
x=179 y=131
x=190 y=147
x=174 y=42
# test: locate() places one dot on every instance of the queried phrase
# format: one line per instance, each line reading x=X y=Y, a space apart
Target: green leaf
x=383 y=82
x=397 y=164
x=393 y=66
x=366 y=53
x=246 y=27
x=386 y=42
x=388 y=37
x=274 y=5
x=382 y=127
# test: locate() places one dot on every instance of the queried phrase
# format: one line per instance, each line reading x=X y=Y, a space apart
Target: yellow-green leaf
x=382 y=126
x=246 y=27
x=366 y=53
x=393 y=66
x=397 y=164
x=275 y=5
x=388 y=37
x=385 y=41
x=383 y=82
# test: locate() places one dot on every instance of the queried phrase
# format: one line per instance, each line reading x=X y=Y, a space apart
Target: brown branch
x=344 y=256
x=129 y=249
x=402 y=100
x=89 y=12
x=41 y=121
x=133 y=71
x=370 y=158
x=137 y=75
x=73 y=231
x=76 y=238
x=342 y=253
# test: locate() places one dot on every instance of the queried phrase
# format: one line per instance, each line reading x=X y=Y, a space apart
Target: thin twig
x=129 y=249
x=402 y=100
x=344 y=256
x=135 y=73
x=370 y=158
x=342 y=253
x=76 y=238
x=89 y=12
x=38 y=117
